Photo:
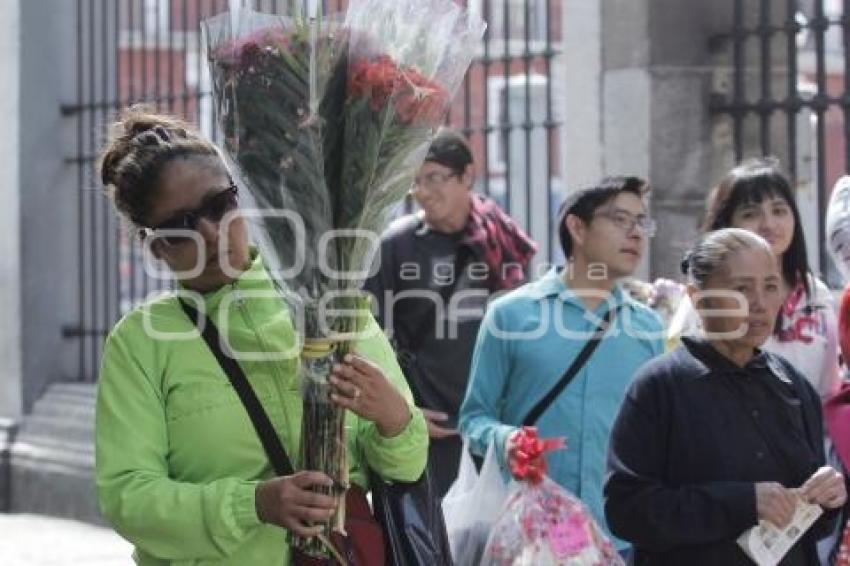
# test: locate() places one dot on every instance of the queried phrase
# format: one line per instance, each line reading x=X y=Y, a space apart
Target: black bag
x=412 y=518
x=411 y=512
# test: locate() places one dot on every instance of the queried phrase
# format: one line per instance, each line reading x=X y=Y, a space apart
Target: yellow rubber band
x=317 y=348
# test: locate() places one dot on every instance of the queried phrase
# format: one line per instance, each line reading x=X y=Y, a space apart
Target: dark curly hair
x=140 y=144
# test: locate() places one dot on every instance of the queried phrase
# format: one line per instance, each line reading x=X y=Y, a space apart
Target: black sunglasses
x=213 y=209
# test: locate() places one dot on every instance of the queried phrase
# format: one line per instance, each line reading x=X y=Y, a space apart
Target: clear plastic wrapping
x=326 y=120
x=544 y=525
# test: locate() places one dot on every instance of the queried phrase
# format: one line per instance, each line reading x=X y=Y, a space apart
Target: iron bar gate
x=131 y=51
x=790 y=96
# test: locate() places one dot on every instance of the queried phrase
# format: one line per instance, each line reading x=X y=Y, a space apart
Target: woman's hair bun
x=141 y=142
x=157 y=135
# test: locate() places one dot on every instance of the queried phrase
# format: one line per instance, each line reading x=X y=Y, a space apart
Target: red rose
x=406 y=108
x=415 y=98
x=249 y=56
x=418 y=99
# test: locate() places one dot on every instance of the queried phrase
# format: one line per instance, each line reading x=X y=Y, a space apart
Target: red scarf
x=836 y=412
x=496 y=240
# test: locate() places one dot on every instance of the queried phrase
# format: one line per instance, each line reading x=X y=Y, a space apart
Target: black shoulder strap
x=271 y=443
x=572 y=371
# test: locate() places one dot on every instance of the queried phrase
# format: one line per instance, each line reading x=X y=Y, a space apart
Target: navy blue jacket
x=694 y=435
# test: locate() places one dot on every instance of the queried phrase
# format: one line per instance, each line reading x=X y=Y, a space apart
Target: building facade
x=560 y=93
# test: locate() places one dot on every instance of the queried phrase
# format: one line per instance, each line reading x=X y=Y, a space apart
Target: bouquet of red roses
x=327 y=121
x=542 y=524
x=406 y=59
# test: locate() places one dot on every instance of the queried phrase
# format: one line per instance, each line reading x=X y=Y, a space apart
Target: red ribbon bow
x=527 y=462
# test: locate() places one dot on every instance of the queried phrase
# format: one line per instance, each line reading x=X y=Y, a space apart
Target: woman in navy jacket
x=718 y=434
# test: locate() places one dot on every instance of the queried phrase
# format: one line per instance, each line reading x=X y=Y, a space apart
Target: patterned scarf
x=495 y=239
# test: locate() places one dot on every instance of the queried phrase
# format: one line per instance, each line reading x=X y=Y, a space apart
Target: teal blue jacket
x=527 y=340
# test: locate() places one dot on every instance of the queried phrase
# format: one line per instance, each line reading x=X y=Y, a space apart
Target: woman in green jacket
x=181 y=472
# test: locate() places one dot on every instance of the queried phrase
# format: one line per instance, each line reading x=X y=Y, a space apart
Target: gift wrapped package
x=542 y=524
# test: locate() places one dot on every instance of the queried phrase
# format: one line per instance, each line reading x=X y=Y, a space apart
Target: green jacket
x=177 y=457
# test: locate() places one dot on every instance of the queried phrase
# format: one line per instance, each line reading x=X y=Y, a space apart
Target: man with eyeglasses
x=559 y=353
x=438 y=269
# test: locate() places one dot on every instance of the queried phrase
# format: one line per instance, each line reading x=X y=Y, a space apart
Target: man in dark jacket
x=438 y=269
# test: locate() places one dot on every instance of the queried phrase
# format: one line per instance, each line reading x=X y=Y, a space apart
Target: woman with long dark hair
x=757 y=197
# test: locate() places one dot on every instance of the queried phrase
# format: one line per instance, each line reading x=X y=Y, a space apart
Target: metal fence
x=150 y=51
x=789 y=96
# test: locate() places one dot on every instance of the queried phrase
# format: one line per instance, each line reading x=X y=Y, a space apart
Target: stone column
x=639 y=75
x=51 y=458
x=10 y=215
x=656 y=120
x=11 y=399
x=50 y=264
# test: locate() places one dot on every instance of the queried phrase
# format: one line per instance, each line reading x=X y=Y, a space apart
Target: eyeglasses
x=627 y=221
x=213 y=209
x=431 y=181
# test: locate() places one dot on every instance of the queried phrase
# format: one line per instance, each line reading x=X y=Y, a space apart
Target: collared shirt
x=694 y=436
x=527 y=341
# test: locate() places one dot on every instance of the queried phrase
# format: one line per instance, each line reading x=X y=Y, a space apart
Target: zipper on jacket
x=274 y=363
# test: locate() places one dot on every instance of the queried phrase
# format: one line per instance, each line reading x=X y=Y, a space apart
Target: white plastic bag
x=471 y=506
